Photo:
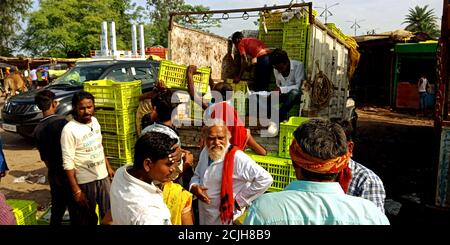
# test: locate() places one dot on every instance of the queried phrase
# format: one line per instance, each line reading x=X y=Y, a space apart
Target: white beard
x=216 y=154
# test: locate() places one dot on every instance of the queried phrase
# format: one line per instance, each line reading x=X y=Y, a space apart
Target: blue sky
x=380 y=15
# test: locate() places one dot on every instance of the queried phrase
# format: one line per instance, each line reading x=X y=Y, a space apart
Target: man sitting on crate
x=86 y=166
x=320 y=158
x=289 y=75
x=226 y=180
x=240 y=136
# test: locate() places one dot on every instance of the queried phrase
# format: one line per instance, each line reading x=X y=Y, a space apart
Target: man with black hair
x=135 y=197
x=84 y=161
x=257 y=50
x=48 y=140
x=289 y=75
x=364 y=183
x=320 y=158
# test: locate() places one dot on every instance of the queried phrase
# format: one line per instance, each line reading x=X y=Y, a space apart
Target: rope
x=322 y=89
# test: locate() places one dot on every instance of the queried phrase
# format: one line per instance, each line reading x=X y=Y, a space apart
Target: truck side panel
x=187 y=46
x=330 y=56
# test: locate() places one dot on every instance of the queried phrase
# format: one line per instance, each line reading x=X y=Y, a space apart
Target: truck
x=294 y=28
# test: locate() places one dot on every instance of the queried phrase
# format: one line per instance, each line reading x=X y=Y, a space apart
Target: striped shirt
x=366 y=184
x=6 y=212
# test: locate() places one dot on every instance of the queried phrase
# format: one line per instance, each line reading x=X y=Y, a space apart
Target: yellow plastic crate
x=272 y=39
x=240 y=86
x=174 y=76
x=273 y=21
x=118 y=162
x=24 y=211
x=116 y=95
x=286 y=135
x=119 y=122
x=119 y=146
x=281 y=170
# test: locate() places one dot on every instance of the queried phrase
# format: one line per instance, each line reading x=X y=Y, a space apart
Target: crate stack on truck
x=174 y=77
x=116 y=104
x=323 y=51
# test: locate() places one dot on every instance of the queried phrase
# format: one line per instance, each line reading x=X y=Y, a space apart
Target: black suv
x=21 y=115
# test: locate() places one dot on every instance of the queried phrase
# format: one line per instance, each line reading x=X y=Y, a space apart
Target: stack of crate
x=291 y=36
x=273 y=38
x=174 y=77
x=116 y=104
x=280 y=167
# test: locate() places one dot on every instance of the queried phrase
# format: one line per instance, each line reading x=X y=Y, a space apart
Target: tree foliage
x=11 y=17
x=159 y=17
x=422 y=19
x=71 y=28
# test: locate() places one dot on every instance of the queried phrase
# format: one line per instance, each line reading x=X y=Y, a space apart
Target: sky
x=378 y=15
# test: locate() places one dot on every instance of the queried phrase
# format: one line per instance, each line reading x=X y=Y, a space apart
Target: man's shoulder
x=362 y=173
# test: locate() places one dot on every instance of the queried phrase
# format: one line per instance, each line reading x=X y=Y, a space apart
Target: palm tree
x=422 y=20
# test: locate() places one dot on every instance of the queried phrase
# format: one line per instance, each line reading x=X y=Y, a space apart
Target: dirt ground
x=397 y=146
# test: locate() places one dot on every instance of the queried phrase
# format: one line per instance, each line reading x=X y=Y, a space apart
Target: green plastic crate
x=296 y=51
x=294 y=36
x=116 y=95
x=273 y=21
x=286 y=135
x=119 y=146
x=272 y=39
x=24 y=211
x=281 y=170
x=174 y=76
x=119 y=122
x=240 y=86
x=118 y=162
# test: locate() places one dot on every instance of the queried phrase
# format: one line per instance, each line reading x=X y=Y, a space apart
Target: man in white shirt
x=289 y=75
x=135 y=198
x=422 y=88
x=84 y=161
x=226 y=180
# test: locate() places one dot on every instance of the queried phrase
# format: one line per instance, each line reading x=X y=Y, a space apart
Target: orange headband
x=317 y=165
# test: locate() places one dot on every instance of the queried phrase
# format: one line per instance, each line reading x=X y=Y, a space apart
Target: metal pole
x=227 y=11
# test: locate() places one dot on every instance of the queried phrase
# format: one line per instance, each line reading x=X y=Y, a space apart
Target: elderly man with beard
x=226 y=180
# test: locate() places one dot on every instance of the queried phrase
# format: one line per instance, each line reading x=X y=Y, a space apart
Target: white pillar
x=133 y=41
x=113 y=39
x=141 y=40
x=104 y=39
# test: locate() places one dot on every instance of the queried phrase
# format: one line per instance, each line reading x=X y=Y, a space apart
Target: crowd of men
x=162 y=183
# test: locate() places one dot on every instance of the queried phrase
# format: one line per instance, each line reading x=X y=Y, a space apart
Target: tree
x=159 y=18
x=422 y=19
x=71 y=28
x=11 y=12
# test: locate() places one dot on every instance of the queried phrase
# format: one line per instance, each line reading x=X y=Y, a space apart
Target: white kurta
x=249 y=181
x=135 y=202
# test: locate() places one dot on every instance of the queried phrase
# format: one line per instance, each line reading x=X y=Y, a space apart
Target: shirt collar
x=314 y=186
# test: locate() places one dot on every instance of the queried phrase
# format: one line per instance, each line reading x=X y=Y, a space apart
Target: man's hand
x=80 y=199
x=176 y=155
x=200 y=192
x=192 y=70
x=188 y=159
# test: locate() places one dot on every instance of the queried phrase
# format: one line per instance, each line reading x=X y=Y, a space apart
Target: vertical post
x=113 y=39
x=104 y=39
x=141 y=40
x=133 y=41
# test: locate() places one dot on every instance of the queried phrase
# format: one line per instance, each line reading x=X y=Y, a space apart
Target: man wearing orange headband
x=320 y=157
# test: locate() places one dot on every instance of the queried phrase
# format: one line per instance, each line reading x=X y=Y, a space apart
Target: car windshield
x=79 y=74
